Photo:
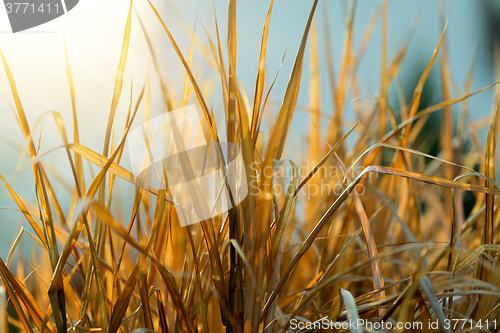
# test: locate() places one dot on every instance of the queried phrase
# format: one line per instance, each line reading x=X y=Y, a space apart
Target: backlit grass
x=392 y=243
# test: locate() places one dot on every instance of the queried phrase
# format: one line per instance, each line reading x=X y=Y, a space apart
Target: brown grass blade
x=162 y=315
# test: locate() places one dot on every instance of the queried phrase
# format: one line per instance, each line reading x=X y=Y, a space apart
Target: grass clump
x=389 y=240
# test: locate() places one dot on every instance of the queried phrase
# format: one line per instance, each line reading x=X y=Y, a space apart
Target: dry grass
x=402 y=251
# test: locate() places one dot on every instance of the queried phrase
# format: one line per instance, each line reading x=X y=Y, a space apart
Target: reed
x=388 y=240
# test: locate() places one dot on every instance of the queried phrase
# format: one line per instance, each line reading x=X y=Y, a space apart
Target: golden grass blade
x=232 y=54
x=435 y=180
x=222 y=67
x=45 y=214
x=166 y=96
x=420 y=86
x=186 y=89
x=56 y=283
x=26 y=298
x=14 y=245
x=324 y=159
x=314 y=100
x=197 y=89
x=76 y=139
x=55 y=201
x=199 y=286
x=37 y=171
x=378 y=281
x=108 y=219
x=328 y=282
x=290 y=99
x=143 y=288
x=159 y=219
x=231 y=125
x=447 y=123
x=121 y=305
x=114 y=168
x=20 y=111
x=6 y=276
x=406 y=303
x=285 y=212
x=185 y=323
x=135 y=208
x=44 y=206
x=367 y=36
x=343 y=196
x=24 y=321
x=398 y=58
x=261 y=74
x=329 y=56
x=257 y=131
x=272 y=258
x=349 y=241
x=104 y=316
x=434 y=108
x=424 y=310
x=484 y=273
x=22 y=207
x=384 y=82
x=415 y=152
x=345 y=68
x=162 y=315
x=112 y=178
x=3 y=310
x=208 y=52
x=245 y=260
x=246 y=213
x=119 y=79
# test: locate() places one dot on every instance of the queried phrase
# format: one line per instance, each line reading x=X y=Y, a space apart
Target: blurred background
x=93 y=33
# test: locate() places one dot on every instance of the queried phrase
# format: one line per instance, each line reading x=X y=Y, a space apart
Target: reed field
x=372 y=227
